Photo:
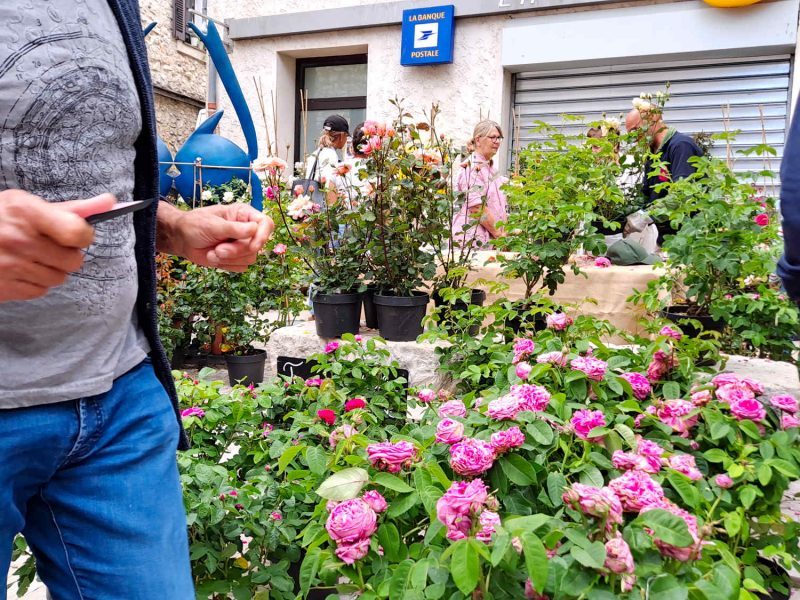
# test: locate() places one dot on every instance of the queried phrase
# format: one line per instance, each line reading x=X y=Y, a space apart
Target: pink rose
x=661 y=364
x=375 y=500
x=350 y=521
x=276 y=516
x=639 y=383
x=618 y=556
x=503 y=441
x=504 y=408
x=341 y=433
x=456 y=507
x=523 y=348
x=671 y=333
x=626 y=461
x=558 y=359
x=725 y=379
x=723 y=481
x=558 y=321
x=748 y=408
x=533 y=398
x=194 y=411
x=602 y=262
x=684 y=463
x=279 y=249
x=471 y=457
x=350 y=553
x=426 y=395
x=584 y=420
x=635 y=490
x=734 y=393
x=387 y=456
x=594 y=368
x=453 y=408
x=789 y=421
x=784 y=402
x=652 y=454
x=354 y=403
x=677 y=414
x=601 y=503
x=449 y=431
x=691 y=552
x=523 y=370
x=313 y=382
x=701 y=398
x=327 y=415
x=331 y=347
x=762 y=220
x=488 y=521
x=531 y=593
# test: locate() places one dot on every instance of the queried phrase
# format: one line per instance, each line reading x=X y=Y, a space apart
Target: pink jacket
x=481 y=182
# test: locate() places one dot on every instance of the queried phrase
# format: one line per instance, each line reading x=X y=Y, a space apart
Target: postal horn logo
x=426 y=35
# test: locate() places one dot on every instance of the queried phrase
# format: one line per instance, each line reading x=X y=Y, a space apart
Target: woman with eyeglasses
x=485 y=206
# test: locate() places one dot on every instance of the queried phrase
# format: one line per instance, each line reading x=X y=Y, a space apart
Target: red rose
x=762 y=220
x=327 y=415
x=664 y=175
x=354 y=403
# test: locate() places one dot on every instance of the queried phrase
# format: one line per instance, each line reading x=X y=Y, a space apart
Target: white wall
x=473 y=86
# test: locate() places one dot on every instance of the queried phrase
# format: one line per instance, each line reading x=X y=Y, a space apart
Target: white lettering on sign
x=437 y=16
x=507 y=3
x=425 y=54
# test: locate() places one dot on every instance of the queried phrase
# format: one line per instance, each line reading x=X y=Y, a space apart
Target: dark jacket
x=146 y=186
x=789 y=264
x=676 y=152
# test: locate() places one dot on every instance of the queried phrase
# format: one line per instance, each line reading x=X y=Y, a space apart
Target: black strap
x=314 y=168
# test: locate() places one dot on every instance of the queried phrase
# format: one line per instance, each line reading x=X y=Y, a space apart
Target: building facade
x=178 y=66
x=519 y=61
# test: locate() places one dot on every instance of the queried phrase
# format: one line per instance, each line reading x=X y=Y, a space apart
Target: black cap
x=336 y=124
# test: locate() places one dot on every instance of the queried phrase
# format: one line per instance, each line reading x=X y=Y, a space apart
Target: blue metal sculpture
x=210 y=159
x=207 y=158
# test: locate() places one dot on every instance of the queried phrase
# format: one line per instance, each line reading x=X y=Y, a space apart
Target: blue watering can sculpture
x=207 y=158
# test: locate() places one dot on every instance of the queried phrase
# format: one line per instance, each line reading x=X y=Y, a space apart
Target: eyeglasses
x=495 y=138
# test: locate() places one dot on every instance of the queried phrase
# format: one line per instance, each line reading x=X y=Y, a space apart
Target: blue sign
x=427 y=36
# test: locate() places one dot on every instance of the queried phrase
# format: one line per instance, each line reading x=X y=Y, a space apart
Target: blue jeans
x=93 y=486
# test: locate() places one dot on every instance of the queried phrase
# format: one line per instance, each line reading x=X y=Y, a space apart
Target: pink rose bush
x=558 y=359
x=558 y=321
x=449 y=431
x=523 y=370
x=594 y=368
x=683 y=554
x=453 y=408
x=507 y=439
x=523 y=348
x=351 y=524
x=392 y=457
x=600 y=503
x=522 y=397
x=618 y=556
x=584 y=420
x=375 y=500
x=460 y=507
x=685 y=463
x=639 y=383
x=426 y=395
x=635 y=490
x=785 y=403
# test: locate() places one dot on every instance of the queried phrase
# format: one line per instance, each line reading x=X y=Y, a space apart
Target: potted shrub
x=399 y=214
x=726 y=239
x=330 y=239
x=553 y=203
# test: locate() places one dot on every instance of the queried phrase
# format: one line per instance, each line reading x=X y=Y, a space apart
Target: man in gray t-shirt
x=87 y=431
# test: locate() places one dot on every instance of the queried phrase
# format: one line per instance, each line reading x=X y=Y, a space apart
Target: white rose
x=299 y=207
x=227 y=197
x=206 y=195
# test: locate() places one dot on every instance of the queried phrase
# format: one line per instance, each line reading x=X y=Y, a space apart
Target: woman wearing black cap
x=321 y=164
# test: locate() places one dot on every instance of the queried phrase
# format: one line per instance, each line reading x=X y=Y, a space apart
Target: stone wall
x=176 y=121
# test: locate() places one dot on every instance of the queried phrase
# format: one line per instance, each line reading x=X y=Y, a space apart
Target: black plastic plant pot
x=246 y=369
x=477 y=298
x=679 y=312
x=336 y=314
x=370 y=313
x=400 y=317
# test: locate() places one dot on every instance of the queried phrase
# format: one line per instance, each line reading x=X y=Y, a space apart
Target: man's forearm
x=167 y=219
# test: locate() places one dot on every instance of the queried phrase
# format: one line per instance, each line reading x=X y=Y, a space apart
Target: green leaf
x=556 y=484
x=500 y=545
x=667 y=527
x=430 y=495
x=591 y=475
x=419 y=574
x=667 y=587
x=519 y=525
x=438 y=474
x=536 y=559
x=764 y=473
x=402 y=504
x=465 y=566
x=750 y=429
x=733 y=522
x=687 y=491
x=541 y=432
x=715 y=455
x=735 y=470
x=748 y=495
x=288 y=455
x=614 y=385
x=309 y=569
x=784 y=467
x=518 y=470
x=390 y=540
x=392 y=482
x=344 y=485
x=626 y=433
x=400 y=580
x=671 y=390
x=317 y=460
x=592 y=555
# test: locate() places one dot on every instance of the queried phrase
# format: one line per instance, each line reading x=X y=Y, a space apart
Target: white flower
x=206 y=195
x=271 y=163
x=300 y=207
x=227 y=197
x=641 y=104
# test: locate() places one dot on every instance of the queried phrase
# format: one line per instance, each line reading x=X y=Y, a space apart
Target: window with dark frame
x=333 y=85
x=181 y=17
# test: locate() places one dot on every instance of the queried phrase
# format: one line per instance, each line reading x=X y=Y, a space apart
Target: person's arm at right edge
x=789 y=264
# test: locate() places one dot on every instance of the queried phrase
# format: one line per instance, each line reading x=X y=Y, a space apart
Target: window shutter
x=179 y=14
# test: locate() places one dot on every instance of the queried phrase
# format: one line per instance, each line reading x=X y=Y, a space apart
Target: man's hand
x=41 y=242
x=225 y=236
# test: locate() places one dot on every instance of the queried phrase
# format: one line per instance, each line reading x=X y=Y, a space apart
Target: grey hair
x=484 y=128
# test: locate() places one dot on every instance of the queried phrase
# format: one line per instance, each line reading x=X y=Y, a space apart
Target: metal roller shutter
x=699 y=90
